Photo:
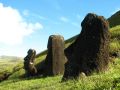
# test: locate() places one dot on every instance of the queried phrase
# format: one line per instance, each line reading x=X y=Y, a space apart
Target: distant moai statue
x=55 y=59
x=90 y=51
x=29 y=63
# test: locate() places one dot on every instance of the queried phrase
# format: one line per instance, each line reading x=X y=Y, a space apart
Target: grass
x=115 y=32
x=109 y=80
x=115 y=39
x=103 y=81
x=7 y=66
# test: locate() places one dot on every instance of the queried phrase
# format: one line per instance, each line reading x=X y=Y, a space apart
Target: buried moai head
x=29 y=62
x=30 y=56
x=55 y=59
x=90 y=51
x=93 y=25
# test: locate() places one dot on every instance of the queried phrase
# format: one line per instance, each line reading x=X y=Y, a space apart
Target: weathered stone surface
x=55 y=59
x=29 y=63
x=90 y=51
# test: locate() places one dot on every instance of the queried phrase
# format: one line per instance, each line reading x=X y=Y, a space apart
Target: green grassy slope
x=115 y=39
x=114 y=20
x=8 y=62
x=109 y=80
x=9 y=65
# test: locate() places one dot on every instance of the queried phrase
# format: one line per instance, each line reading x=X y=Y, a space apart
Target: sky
x=26 y=24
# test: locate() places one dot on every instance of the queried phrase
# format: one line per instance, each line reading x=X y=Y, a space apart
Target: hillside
x=7 y=62
x=10 y=58
x=110 y=80
x=114 y=20
x=8 y=65
x=114 y=47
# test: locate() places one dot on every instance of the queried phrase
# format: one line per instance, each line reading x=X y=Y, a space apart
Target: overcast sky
x=27 y=24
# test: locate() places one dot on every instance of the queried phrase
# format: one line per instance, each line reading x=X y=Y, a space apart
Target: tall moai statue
x=90 y=51
x=55 y=59
x=29 y=63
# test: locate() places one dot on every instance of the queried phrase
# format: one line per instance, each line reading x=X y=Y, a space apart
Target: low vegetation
x=9 y=65
x=115 y=39
x=108 y=81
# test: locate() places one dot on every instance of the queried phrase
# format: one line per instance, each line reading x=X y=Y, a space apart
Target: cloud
x=64 y=19
x=13 y=27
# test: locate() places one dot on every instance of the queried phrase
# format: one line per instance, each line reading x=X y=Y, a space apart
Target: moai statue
x=55 y=59
x=29 y=63
x=90 y=51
